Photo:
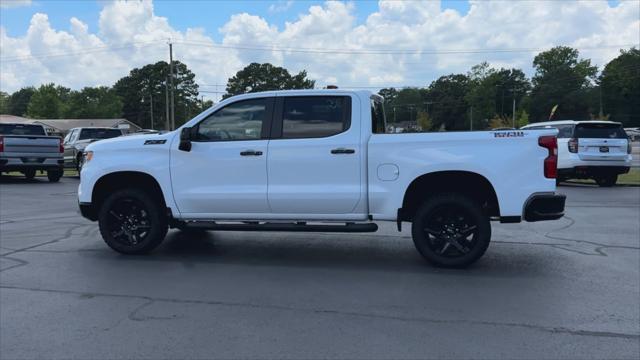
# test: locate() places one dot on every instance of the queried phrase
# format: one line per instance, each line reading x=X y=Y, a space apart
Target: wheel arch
x=468 y=183
x=114 y=181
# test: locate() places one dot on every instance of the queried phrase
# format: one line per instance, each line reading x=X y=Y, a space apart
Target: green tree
x=144 y=89
x=561 y=78
x=19 y=100
x=620 y=86
x=263 y=77
x=447 y=101
x=4 y=102
x=45 y=103
x=93 y=102
x=424 y=122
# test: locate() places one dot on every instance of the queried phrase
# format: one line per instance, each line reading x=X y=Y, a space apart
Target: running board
x=300 y=226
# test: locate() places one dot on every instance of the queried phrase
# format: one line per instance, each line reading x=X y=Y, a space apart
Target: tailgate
x=601 y=141
x=31 y=144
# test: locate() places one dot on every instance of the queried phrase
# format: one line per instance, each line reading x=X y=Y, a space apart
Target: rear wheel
x=54 y=175
x=30 y=174
x=132 y=222
x=606 y=180
x=450 y=230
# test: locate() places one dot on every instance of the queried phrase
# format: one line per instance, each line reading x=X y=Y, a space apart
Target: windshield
x=21 y=129
x=599 y=131
x=99 y=133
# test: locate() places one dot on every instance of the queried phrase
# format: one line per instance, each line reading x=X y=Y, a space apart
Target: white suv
x=598 y=150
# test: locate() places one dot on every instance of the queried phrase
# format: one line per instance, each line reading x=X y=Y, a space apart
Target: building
x=60 y=127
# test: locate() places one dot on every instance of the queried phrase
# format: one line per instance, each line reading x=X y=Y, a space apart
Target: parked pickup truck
x=27 y=148
x=78 y=138
x=318 y=160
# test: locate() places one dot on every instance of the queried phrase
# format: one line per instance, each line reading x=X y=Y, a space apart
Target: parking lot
x=563 y=289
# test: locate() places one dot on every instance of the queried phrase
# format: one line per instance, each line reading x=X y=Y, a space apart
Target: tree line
x=564 y=86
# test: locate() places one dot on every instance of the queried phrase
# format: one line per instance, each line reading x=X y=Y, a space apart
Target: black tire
x=451 y=230
x=606 y=180
x=54 y=175
x=30 y=174
x=132 y=222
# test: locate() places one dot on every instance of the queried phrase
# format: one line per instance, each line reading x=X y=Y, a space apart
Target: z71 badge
x=509 y=134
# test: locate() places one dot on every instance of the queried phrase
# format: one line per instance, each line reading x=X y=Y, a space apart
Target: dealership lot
x=568 y=288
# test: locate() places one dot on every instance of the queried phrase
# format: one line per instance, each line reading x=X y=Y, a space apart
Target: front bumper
x=87 y=211
x=542 y=207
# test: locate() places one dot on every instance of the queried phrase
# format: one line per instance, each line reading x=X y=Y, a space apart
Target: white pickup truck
x=318 y=160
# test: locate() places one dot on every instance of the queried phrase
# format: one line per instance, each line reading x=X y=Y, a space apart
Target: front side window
x=238 y=121
x=315 y=116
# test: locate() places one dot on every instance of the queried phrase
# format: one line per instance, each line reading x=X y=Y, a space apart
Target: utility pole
x=173 y=109
x=151 y=108
x=167 y=122
x=601 y=115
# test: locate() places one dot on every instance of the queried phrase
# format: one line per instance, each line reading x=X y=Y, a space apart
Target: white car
x=318 y=160
x=598 y=150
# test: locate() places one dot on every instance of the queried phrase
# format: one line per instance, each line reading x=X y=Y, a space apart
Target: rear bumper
x=21 y=164
x=542 y=207
x=591 y=171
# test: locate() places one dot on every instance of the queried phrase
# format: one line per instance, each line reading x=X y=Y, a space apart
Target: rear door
x=314 y=158
x=601 y=141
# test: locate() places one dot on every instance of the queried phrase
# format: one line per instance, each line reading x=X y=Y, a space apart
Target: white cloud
x=280 y=6
x=5 y=4
x=130 y=34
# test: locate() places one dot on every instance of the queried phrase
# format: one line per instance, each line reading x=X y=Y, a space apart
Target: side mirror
x=185 y=139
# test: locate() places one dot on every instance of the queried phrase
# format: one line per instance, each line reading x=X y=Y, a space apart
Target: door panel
x=316 y=174
x=226 y=170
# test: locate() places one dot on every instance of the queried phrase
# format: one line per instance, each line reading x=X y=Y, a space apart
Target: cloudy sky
x=351 y=44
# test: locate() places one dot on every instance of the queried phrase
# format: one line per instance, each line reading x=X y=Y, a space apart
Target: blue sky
x=209 y=15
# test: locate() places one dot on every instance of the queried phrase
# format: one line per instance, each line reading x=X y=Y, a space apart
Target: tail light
x=1 y=144
x=550 y=162
x=573 y=145
x=61 y=148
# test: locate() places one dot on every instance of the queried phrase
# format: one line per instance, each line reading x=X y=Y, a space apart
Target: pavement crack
x=65 y=236
x=134 y=314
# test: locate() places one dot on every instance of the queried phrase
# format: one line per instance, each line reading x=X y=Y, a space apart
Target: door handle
x=342 y=151
x=250 y=153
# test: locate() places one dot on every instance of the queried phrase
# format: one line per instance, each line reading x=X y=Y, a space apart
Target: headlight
x=88 y=156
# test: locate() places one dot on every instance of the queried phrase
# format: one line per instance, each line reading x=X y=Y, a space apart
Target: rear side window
x=378 y=123
x=315 y=116
x=21 y=129
x=600 y=131
x=99 y=133
x=564 y=131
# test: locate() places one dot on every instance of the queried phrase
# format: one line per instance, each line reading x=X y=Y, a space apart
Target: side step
x=299 y=226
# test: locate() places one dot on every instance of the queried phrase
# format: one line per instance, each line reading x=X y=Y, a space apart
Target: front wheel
x=132 y=222
x=606 y=180
x=451 y=230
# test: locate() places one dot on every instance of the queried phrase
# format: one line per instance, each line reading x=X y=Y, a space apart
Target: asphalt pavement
x=566 y=289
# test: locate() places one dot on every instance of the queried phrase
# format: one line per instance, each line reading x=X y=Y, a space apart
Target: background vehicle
x=27 y=148
x=598 y=150
x=78 y=138
x=282 y=160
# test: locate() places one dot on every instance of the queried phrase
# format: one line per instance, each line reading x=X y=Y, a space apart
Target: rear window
x=21 y=129
x=600 y=131
x=99 y=134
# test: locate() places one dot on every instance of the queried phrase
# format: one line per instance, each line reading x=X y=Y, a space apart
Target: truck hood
x=132 y=142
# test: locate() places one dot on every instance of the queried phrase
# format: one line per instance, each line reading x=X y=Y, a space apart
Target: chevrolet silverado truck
x=27 y=148
x=318 y=160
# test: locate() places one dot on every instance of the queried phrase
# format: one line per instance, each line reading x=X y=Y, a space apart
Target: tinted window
x=315 y=116
x=21 y=129
x=378 y=124
x=238 y=121
x=602 y=131
x=99 y=133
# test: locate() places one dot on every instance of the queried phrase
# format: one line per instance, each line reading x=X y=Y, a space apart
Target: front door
x=315 y=158
x=224 y=176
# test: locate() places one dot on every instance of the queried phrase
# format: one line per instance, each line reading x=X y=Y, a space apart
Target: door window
x=315 y=116
x=242 y=120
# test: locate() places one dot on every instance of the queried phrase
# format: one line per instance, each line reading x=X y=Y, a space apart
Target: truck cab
x=318 y=160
